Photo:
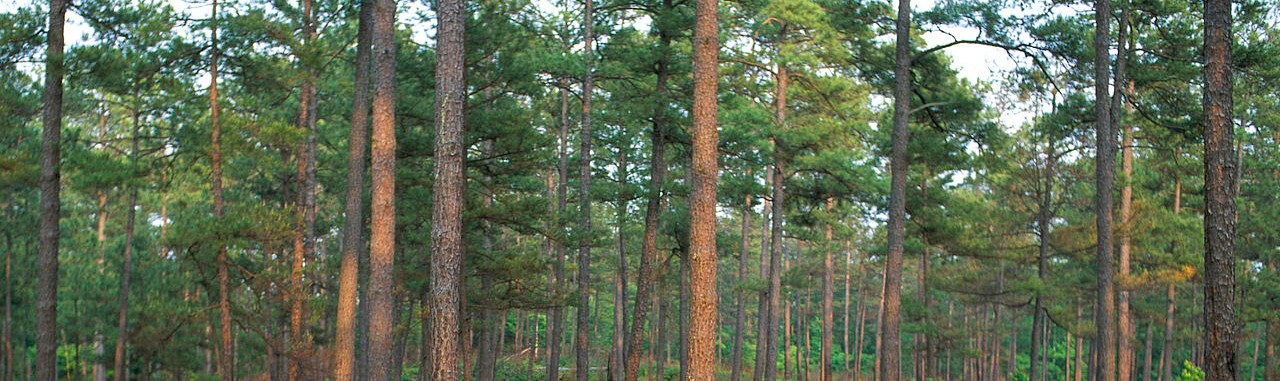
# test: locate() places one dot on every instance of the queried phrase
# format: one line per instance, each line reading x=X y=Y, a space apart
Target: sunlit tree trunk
x=382 y=238
x=344 y=349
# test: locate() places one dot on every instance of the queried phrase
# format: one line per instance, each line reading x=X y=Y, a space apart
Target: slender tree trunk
x=556 y=335
x=1124 y=324
x=1166 y=351
x=1105 y=182
x=862 y=323
x=1220 y=361
x=344 y=349
x=682 y=330
x=215 y=156
x=620 y=283
x=890 y=331
x=763 y=309
x=304 y=233
x=382 y=232
x=122 y=316
x=828 y=295
x=848 y=258
x=880 y=326
x=739 y=319
x=775 y=235
x=487 y=352
x=1044 y=217
x=580 y=343
x=1146 y=358
x=1271 y=372
x=647 y=273
x=50 y=209
x=702 y=203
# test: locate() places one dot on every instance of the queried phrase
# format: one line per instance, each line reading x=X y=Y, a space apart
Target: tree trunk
x=890 y=331
x=1105 y=183
x=487 y=352
x=1127 y=332
x=848 y=258
x=556 y=335
x=1044 y=216
x=344 y=348
x=215 y=156
x=580 y=343
x=50 y=209
x=862 y=323
x=620 y=282
x=683 y=325
x=1220 y=362
x=303 y=238
x=775 y=234
x=828 y=296
x=1146 y=358
x=739 y=314
x=647 y=273
x=1272 y=371
x=702 y=200
x=763 y=309
x=382 y=237
x=122 y=316
x=1166 y=349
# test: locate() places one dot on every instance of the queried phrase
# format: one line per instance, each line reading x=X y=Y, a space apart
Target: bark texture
x=344 y=348
x=382 y=208
x=1104 y=172
x=1220 y=362
x=890 y=337
x=583 y=320
x=50 y=208
x=702 y=203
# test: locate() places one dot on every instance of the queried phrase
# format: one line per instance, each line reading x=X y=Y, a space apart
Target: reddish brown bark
x=382 y=238
x=702 y=200
x=1220 y=362
x=344 y=348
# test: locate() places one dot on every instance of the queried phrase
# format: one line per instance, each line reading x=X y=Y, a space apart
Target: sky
x=974 y=62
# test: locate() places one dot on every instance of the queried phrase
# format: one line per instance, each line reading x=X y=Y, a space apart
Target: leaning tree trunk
x=382 y=231
x=344 y=349
x=1220 y=362
x=646 y=275
x=50 y=209
x=1104 y=170
x=702 y=200
x=890 y=337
